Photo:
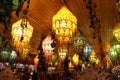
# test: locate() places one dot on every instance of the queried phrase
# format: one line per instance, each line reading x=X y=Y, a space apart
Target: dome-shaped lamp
x=64 y=25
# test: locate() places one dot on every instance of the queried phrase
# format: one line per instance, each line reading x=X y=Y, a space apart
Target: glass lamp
x=62 y=52
x=87 y=51
x=113 y=53
x=116 y=31
x=21 y=34
x=13 y=56
x=75 y=59
x=47 y=49
x=64 y=25
x=5 y=54
x=93 y=57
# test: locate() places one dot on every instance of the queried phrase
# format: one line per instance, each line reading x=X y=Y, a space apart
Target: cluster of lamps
x=64 y=25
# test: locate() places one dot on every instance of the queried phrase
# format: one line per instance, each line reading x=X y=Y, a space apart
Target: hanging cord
x=117 y=5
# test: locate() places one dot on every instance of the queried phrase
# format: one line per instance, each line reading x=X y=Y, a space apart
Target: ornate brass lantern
x=79 y=43
x=21 y=34
x=64 y=24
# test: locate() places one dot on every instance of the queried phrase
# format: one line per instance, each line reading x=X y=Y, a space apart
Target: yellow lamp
x=64 y=25
x=116 y=31
x=21 y=34
x=75 y=59
x=62 y=52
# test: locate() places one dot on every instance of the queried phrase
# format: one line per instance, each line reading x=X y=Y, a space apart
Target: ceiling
x=42 y=11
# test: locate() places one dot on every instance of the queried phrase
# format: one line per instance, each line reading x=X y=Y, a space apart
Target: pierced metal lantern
x=64 y=25
x=62 y=52
x=21 y=34
x=13 y=57
x=79 y=43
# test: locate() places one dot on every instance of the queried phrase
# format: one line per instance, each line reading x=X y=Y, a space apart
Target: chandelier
x=64 y=24
x=21 y=33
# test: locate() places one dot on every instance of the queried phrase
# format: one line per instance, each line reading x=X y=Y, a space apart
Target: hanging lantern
x=116 y=31
x=62 y=52
x=13 y=57
x=21 y=33
x=75 y=59
x=87 y=51
x=79 y=43
x=36 y=61
x=53 y=59
x=64 y=24
x=5 y=54
x=93 y=57
x=47 y=49
x=113 y=54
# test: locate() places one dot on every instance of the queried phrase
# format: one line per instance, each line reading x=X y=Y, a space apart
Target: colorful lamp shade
x=21 y=33
x=116 y=31
x=5 y=54
x=47 y=48
x=62 y=52
x=79 y=43
x=87 y=51
x=64 y=25
x=13 y=57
